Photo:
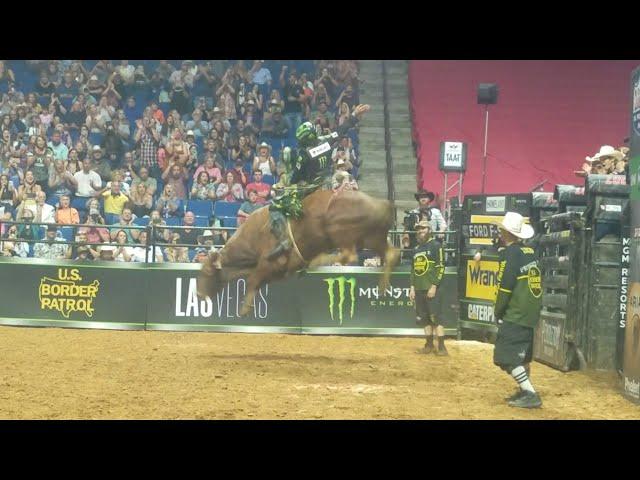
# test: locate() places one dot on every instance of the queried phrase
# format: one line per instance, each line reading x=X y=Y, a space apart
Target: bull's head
x=210 y=278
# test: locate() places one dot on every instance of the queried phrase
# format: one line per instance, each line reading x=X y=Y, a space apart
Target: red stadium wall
x=549 y=116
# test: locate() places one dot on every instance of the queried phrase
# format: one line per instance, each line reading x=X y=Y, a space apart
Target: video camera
x=411 y=217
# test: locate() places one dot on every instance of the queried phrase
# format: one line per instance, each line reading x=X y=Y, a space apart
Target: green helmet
x=306 y=133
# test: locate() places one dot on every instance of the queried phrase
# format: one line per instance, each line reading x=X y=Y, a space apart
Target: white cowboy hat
x=606 y=151
x=206 y=234
x=514 y=223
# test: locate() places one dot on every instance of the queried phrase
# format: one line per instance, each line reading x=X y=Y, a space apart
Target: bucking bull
x=346 y=222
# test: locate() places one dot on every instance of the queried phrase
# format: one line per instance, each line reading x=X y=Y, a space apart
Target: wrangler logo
x=482 y=280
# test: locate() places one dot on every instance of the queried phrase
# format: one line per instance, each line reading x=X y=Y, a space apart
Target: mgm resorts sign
x=343 y=294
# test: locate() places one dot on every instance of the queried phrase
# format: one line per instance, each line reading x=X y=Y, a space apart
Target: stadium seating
x=200 y=208
x=223 y=209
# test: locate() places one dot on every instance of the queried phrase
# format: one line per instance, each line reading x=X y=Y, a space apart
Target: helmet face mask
x=306 y=133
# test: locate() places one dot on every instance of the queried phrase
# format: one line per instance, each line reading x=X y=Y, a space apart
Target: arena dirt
x=90 y=374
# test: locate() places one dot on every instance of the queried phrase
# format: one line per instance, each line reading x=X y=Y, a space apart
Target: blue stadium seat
x=268 y=179
x=67 y=233
x=142 y=221
x=80 y=203
x=200 y=208
x=192 y=254
x=173 y=221
x=202 y=221
x=230 y=222
x=226 y=209
x=95 y=138
x=52 y=200
x=111 y=218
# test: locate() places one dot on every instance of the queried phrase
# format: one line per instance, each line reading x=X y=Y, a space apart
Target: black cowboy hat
x=424 y=193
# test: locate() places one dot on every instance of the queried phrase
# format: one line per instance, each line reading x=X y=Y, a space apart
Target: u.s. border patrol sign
x=453 y=156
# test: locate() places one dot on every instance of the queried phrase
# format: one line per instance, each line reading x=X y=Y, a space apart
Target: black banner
x=118 y=295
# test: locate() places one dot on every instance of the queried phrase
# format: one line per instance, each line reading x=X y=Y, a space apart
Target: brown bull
x=347 y=221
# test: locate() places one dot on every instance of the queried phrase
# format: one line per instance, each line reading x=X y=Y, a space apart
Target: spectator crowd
x=179 y=144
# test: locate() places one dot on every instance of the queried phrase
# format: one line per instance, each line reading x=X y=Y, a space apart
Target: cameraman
x=424 y=212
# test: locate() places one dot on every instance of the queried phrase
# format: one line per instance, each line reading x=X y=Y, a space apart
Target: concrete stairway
x=373 y=173
x=404 y=158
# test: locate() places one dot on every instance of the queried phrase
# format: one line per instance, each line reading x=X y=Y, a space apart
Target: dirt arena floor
x=50 y=373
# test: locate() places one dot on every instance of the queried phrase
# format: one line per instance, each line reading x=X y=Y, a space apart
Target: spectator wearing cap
x=277 y=125
x=294 y=98
x=48 y=249
x=342 y=179
x=180 y=99
x=249 y=206
x=95 y=86
x=262 y=189
x=197 y=126
x=201 y=255
x=100 y=165
x=264 y=161
x=239 y=175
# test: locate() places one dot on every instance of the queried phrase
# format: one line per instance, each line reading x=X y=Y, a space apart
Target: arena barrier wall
x=631 y=361
x=113 y=295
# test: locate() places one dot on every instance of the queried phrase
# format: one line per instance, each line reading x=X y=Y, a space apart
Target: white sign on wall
x=453 y=156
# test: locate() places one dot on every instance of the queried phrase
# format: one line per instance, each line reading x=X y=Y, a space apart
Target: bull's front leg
x=253 y=283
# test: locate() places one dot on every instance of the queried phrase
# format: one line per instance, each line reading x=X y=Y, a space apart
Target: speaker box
x=487 y=94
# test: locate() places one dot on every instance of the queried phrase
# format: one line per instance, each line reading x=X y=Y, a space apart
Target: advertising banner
x=69 y=294
x=631 y=361
x=343 y=300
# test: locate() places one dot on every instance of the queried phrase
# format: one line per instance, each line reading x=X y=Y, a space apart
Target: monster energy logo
x=342 y=283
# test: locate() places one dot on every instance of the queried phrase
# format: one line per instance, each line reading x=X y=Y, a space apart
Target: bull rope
x=293 y=242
